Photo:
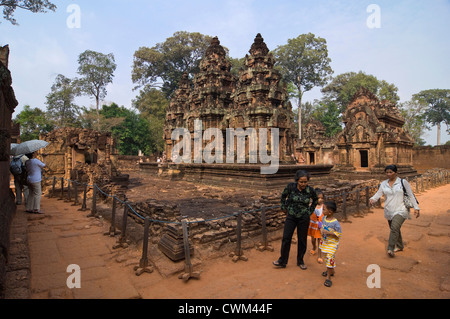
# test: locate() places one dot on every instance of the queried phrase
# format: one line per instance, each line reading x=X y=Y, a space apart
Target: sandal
x=320 y=260
x=278 y=264
x=325 y=273
x=303 y=267
x=312 y=252
x=328 y=283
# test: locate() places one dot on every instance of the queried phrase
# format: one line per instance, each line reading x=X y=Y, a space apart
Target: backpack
x=16 y=167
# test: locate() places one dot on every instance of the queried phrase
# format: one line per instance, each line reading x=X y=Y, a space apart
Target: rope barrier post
x=344 y=207
x=112 y=229
x=53 y=187
x=75 y=195
x=143 y=263
x=188 y=269
x=93 y=212
x=265 y=242
x=83 y=205
x=122 y=242
x=69 y=194
x=61 y=196
x=238 y=255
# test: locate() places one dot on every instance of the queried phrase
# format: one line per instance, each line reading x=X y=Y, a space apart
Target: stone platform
x=235 y=175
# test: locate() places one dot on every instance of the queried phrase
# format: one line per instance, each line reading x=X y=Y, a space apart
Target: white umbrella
x=28 y=147
x=13 y=145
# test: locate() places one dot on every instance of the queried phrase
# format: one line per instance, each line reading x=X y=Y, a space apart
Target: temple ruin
x=84 y=155
x=373 y=137
x=256 y=99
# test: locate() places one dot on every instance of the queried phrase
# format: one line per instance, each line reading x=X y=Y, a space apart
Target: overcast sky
x=407 y=44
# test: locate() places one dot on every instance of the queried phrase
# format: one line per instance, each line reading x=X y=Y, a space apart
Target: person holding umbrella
x=34 y=170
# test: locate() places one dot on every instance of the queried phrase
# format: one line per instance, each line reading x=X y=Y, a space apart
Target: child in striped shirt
x=331 y=233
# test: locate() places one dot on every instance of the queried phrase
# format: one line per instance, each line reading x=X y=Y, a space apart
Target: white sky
x=410 y=49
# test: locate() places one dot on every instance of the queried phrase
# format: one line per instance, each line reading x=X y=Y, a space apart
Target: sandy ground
x=65 y=236
x=420 y=271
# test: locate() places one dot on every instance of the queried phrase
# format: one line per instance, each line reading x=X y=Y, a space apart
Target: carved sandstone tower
x=256 y=100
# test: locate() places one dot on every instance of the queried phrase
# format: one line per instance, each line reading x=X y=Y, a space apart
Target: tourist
x=298 y=200
x=34 y=170
x=20 y=179
x=314 y=226
x=331 y=233
x=394 y=208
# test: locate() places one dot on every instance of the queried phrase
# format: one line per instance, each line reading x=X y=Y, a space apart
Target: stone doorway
x=364 y=156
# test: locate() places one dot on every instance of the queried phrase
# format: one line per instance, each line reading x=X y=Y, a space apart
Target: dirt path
x=420 y=271
x=65 y=236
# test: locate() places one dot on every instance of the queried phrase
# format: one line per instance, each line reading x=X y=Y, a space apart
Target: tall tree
x=97 y=71
x=438 y=111
x=413 y=113
x=168 y=61
x=152 y=105
x=60 y=102
x=33 y=121
x=344 y=86
x=304 y=62
x=132 y=134
x=35 y=6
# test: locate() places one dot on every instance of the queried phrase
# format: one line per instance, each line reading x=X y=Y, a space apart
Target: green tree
x=60 y=102
x=304 y=62
x=330 y=116
x=132 y=134
x=33 y=121
x=97 y=71
x=413 y=113
x=35 y=6
x=344 y=86
x=168 y=61
x=438 y=110
x=152 y=105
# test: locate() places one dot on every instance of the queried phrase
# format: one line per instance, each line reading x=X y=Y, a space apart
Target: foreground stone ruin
x=85 y=156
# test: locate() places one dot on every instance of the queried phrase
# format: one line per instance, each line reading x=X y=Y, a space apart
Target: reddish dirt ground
x=65 y=236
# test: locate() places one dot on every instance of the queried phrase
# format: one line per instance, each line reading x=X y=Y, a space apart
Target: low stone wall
x=428 y=157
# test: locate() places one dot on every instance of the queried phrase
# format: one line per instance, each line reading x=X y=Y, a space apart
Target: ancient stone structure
x=8 y=103
x=255 y=100
x=373 y=136
x=316 y=148
x=81 y=154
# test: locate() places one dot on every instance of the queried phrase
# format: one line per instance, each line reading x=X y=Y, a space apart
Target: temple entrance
x=364 y=158
x=312 y=159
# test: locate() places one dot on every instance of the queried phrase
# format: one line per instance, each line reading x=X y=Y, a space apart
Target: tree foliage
x=60 y=102
x=168 y=61
x=152 y=105
x=438 y=107
x=33 y=122
x=97 y=71
x=35 y=6
x=343 y=87
x=413 y=113
x=304 y=62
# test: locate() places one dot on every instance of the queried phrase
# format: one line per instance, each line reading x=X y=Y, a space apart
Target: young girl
x=314 y=229
x=331 y=233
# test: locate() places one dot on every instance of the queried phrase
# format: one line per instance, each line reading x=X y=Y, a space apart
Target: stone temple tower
x=256 y=99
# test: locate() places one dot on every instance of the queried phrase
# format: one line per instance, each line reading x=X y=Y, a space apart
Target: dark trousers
x=302 y=225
